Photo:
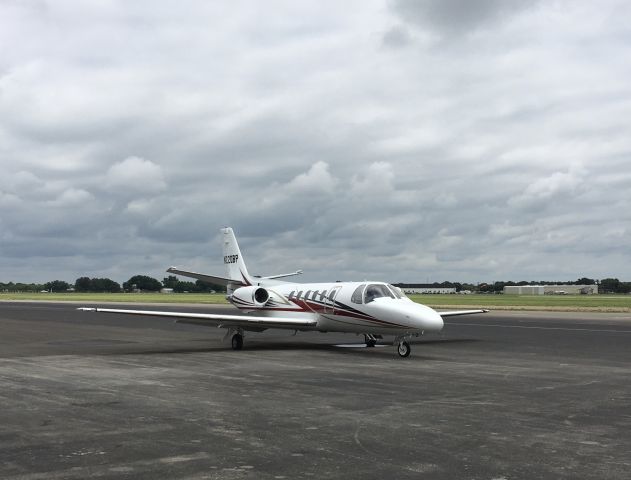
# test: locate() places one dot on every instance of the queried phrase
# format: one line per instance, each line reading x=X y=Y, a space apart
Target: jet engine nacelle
x=252 y=296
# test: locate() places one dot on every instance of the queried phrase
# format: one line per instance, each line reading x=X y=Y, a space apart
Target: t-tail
x=236 y=272
x=233 y=260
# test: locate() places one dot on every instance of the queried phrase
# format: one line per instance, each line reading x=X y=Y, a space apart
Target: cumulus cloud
x=72 y=197
x=134 y=176
x=22 y=181
x=8 y=200
x=557 y=186
x=317 y=179
x=374 y=180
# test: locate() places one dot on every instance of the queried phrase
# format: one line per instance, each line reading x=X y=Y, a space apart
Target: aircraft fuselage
x=342 y=307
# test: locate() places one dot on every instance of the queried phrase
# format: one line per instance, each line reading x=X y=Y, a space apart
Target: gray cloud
x=340 y=140
x=458 y=17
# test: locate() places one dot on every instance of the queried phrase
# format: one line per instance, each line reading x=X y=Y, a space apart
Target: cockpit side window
x=376 y=291
x=357 y=294
x=396 y=291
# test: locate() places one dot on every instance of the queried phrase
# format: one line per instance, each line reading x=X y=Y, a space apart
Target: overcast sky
x=402 y=140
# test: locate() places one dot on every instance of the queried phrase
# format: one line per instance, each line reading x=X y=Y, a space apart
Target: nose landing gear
x=403 y=347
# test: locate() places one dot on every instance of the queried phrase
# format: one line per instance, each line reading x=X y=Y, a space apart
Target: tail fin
x=232 y=258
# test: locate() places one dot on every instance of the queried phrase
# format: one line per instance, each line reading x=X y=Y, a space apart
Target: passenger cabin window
x=323 y=295
x=357 y=294
x=315 y=294
x=376 y=291
x=299 y=295
x=291 y=295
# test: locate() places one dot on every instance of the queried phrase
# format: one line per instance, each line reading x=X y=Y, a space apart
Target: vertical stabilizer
x=232 y=258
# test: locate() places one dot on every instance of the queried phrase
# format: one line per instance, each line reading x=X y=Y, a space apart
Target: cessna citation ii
x=373 y=309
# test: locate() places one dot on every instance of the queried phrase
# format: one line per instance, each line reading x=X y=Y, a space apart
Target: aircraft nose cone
x=431 y=321
x=437 y=322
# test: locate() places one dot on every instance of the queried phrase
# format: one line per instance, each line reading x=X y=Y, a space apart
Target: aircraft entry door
x=329 y=302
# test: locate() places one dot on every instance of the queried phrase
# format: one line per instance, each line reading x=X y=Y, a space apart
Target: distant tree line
x=144 y=283
x=137 y=283
x=606 y=285
x=613 y=285
x=86 y=284
x=197 y=286
x=21 y=287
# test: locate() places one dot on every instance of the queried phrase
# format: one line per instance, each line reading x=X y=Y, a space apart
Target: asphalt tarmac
x=495 y=396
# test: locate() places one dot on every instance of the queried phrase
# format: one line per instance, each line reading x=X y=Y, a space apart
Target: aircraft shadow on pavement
x=354 y=348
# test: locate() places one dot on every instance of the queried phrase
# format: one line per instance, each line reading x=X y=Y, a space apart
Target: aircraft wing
x=205 y=278
x=221 y=320
x=453 y=313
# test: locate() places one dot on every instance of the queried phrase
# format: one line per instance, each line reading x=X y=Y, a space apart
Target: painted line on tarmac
x=539 y=328
x=359 y=345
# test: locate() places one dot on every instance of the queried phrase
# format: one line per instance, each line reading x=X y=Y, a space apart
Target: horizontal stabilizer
x=283 y=275
x=219 y=320
x=205 y=278
x=453 y=313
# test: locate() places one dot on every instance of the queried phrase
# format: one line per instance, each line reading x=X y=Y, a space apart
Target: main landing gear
x=371 y=340
x=236 y=338
x=237 y=341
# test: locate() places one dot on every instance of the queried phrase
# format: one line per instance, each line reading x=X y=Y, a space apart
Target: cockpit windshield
x=397 y=291
x=376 y=290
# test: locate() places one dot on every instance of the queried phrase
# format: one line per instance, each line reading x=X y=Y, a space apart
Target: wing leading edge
x=220 y=320
x=453 y=313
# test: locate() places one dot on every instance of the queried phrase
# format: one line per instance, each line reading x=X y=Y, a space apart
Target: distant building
x=412 y=288
x=551 y=290
x=524 y=290
x=166 y=290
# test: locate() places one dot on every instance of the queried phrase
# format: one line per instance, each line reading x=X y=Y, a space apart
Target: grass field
x=593 y=303
x=203 y=298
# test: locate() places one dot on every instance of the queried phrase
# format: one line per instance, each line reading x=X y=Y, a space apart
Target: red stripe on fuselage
x=314 y=307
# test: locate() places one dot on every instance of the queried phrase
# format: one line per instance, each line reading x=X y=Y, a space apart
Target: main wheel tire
x=237 y=341
x=371 y=343
x=403 y=349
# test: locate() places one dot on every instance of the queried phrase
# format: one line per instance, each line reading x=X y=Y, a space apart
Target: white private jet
x=373 y=309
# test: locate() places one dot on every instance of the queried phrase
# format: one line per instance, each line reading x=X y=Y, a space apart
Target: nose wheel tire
x=237 y=341
x=403 y=349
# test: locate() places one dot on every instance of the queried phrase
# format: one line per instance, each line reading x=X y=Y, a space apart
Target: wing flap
x=454 y=313
x=223 y=320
